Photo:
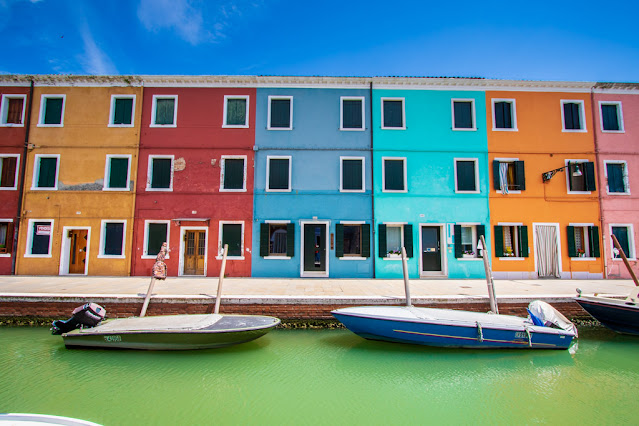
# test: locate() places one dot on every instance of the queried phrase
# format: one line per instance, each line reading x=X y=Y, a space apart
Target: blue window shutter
x=366 y=240
x=589 y=169
x=520 y=175
x=609 y=117
x=264 y=239
x=290 y=239
x=593 y=239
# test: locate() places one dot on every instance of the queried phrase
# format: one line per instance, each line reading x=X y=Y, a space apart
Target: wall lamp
x=548 y=175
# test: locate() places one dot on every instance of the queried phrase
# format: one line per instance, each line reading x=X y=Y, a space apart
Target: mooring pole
x=406 y=284
x=489 y=278
x=219 y=283
x=147 y=298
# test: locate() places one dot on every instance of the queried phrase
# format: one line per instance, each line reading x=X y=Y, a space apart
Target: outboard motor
x=87 y=315
x=542 y=314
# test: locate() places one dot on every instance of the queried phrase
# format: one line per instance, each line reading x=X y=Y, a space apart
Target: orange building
x=544 y=208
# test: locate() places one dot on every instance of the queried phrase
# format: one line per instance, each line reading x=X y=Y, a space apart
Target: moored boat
x=40 y=419
x=620 y=315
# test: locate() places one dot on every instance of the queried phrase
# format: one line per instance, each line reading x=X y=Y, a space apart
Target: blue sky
x=543 y=40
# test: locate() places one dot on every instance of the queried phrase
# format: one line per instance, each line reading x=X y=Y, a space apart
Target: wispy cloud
x=93 y=59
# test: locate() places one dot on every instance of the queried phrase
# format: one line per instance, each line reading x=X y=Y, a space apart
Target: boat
x=87 y=327
x=545 y=328
x=41 y=419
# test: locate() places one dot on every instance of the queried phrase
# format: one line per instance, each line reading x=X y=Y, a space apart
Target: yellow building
x=79 y=197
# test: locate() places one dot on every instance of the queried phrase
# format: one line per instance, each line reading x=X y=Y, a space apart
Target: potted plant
x=394 y=253
x=469 y=254
x=581 y=253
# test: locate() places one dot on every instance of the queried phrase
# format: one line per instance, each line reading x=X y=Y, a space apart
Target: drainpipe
x=600 y=192
x=23 y=164
x=372 y=179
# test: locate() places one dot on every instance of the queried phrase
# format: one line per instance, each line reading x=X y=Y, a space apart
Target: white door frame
x=443 y=250
x=306 y=274
x=66 y=246
x=556 y=225
x=183 y=230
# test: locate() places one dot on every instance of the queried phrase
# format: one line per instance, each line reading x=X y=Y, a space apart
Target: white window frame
x=353 y=223
x=145 y=253
x=107 y=172
x=36 y=172
x=399 y=225
x=567 y=170
x=341 y=113
x=4 y=109
x=384 y=175
x=619 y=116
x=223 y=159
x=631 y=241
x=101 y=254
x=586 y=242
x=276 y=256
x=474 y=160
x=220 y=250
x=472 y=111
x=582 y=116
x=149 y=172
x=30 y=238
x=112 y=111
x=518 y=224
x=154 y=107
x=341 y=174
x=268 y=119
x=15 y=178
x=268 y=172
x=513 y=118
x=43 y=110
x=403 y=100
x=8 y=221
x=475 y=238
x=246 y=118
x=507 y=160
x=625 y=176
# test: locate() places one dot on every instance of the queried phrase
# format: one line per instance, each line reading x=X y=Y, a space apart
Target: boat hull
x=476 y=331
x=616 y=314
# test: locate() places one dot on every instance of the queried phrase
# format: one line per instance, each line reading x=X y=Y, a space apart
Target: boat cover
x=158 y=323
x=541 y=313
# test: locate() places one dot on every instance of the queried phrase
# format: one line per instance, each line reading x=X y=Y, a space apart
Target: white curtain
x=503 y=177
x=547 y=256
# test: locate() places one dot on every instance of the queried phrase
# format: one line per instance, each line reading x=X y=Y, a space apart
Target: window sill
x=277 y=257
x=11 y=125
x=231 y=257
x=579 y=192
x=573 y=130
x=121 y=125
x=392 y=258
x=474 y=129
x=613 y=131
x=353 y=191
x=279 y=128
x=457 y=191
x=146 y=256
x=396 y=191
x=621 y=260
x=5 y=255
x=232 y=190
x=161 y=126
x=617 y=193
x=159 y=189
x=512 y=258
x=117 y=189
x=277 y=190
x=510 y=191
x=108 y=256
x=578 y=259
x=394 y=128
x=495 y=129
x=352 y=258
x=40 y=256
x=471 y=259
x=50 y=125
x=53 y=188
x=235 y=126
x=8 y=188
x=355 y=129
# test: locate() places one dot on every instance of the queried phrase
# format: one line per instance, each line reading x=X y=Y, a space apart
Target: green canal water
x=297 y=377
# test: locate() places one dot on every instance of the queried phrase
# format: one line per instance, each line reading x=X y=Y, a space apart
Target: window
x=232 y=233
x=233 y=173
x=160 y=173
x=351 y=174
x=583 y=241
x=504 y=117
x=617 y=177
x=45 y=172
x=392 y=237
x=52 y=110
x=164 y=111
x=626 y=239
x=580 y=175
x=39 y=238
x=611 y=117
x=511 y=240
x=12 y=110
x=9 y=171
x=122 y=109
x=393 y=113
x=572 y=116
x=394 y=174
x=280 y=113
x=351 y=113
x=117 y=173
x=466 y=240
x=352 y=240
x=6 y=237
x=236 y=112
x=277 y=239
x=466 y=175
x=278 y=174
x=463 y=114
x=112 y=239
x=509 y=175
x=156 y=232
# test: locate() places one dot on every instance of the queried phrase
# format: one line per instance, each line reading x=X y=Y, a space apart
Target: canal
x=297 y=377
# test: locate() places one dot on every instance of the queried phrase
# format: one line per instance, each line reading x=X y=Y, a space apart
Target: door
x=431 y=249
x=194 y=252
x=78 y=250
x=315 y=247
x=546 y=251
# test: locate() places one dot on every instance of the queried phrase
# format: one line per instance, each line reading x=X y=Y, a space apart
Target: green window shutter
x=589 y=169
x=465 y=175
x=572 y=118
x=523 y=241
x=232 y=235
x=393 y=113
x=47 y=172
x=233 y=173
x=164 y=111
x=123 y=111
x=394 y=175
x=408 y=240
x=281 y=113
x=113 y=239
x=610 y=117
x=366 y=240
x=278 y=173
x=290 y=239
x=463 y=115
x=352 y=114
x=570 y=235
x=161 y=173
x=458 y=241
x=339 y=240
x=264 y=239
x=499 y=241
x=381 y=237
x=496 y=178
x=520 y=175
x=53 y=110
x=503 y=115
x=352 y=174
x=236 y=112
x=118 y=172
x=615 y=177
x=593 y=239
x=156 y=236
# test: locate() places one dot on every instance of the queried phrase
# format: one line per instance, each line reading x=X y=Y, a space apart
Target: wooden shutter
x=8 y=242
x=161 y=173
x=164 y=111
x=463 y=115
x=236 y=112
x=499 y=241
x=523 y=241
x=14 y=113
x=8 y=178
x=264 y=239
x=458 y=241
x=53 y=110
x=520 y=175
x=232 y=235
x=610 y=117
x=394 y=175
x=156 y=236
x=339 y=240
x=123 y=110
x=281 y=113
x=366 y=240
x=589 y=172
x=352 y=174
x=408 y=240
x=393 y=114
x=118 y=171
x=113 y=238
x=278 y=173
x=466 y=175
x=352 y=114
x=496 y=178
x=233 y=173
x=290 y=239
x=47 y=172
x=593 y=240
x=570 y=235
x=381 y=237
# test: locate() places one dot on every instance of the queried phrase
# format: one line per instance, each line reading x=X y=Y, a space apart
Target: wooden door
x=315 y=247
x=431 y=249
x=78 y=251
x=194 y=252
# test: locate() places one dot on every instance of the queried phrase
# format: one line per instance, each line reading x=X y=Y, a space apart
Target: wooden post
x=489 y=278
x=147 y=298
x=625 y=259
x=219 y=283
x=406 y=284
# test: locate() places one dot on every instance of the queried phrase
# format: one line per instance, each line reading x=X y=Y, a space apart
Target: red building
x=195 y=186
x=14 y=101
